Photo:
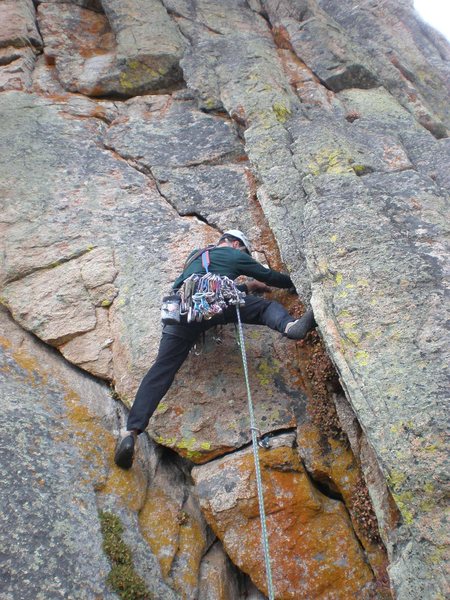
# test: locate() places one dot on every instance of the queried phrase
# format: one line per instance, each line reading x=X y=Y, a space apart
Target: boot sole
x=125 y=454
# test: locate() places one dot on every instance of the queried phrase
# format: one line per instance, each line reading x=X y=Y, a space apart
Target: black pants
x=174 y=348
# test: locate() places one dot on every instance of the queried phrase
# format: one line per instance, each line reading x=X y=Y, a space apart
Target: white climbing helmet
x=240 y=236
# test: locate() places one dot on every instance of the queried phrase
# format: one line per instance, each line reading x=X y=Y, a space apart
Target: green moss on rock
x=122 y=578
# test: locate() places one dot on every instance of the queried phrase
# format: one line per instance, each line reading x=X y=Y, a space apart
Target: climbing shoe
x=297 y=330
x=124 y=454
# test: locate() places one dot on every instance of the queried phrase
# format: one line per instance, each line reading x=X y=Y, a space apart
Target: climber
x=230 y=258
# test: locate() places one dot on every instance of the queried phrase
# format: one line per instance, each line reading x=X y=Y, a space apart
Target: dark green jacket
x=232 y=263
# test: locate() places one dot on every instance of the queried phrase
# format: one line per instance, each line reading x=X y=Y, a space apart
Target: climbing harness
x=255 y=443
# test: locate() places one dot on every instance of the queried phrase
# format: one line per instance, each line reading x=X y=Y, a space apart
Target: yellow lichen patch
x=362 y=358
x=427 y=505
x=266 y=119
x=428 y=488
x=96 y=445
x=162 y=407
x=160 y=527
x=191 y=448
x=396 y=478
x=267 y=370
x=404 y=502
x=330 y=160
x=351 y=334
x=138 y=73
x=209 y=103
x=169 y=442
x=431 y=448
x=438 y=556
x=5 y=343
x=89 y=436
x=281 y=111
x=187 y=443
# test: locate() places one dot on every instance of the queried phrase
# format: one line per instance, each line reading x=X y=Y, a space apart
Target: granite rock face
x=131 y=48
x=68 y=286
x=57 y=438
x=136 y=131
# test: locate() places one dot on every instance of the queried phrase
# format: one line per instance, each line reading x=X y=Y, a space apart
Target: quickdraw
x=204 y=296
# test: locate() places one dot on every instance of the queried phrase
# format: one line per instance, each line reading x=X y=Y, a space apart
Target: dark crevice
x=40 y=48
x=175 y=87
x=405 y=72
x=262 y=13
x=145 y=170
x=246 y=445
x=14 y=56
x=325 y=485
x=194 y=214
x=92 y=5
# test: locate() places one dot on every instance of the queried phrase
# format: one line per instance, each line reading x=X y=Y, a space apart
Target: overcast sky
x=436 y=13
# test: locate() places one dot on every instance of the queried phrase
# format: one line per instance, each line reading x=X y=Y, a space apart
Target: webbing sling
x=254 y=429
x=191 y=259
x=205 y=260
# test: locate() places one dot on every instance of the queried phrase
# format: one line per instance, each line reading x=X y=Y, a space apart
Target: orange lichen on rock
x=192 y=544
x=176 y=538
x=161 y=528
x=314 y=551
x=129 y=486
